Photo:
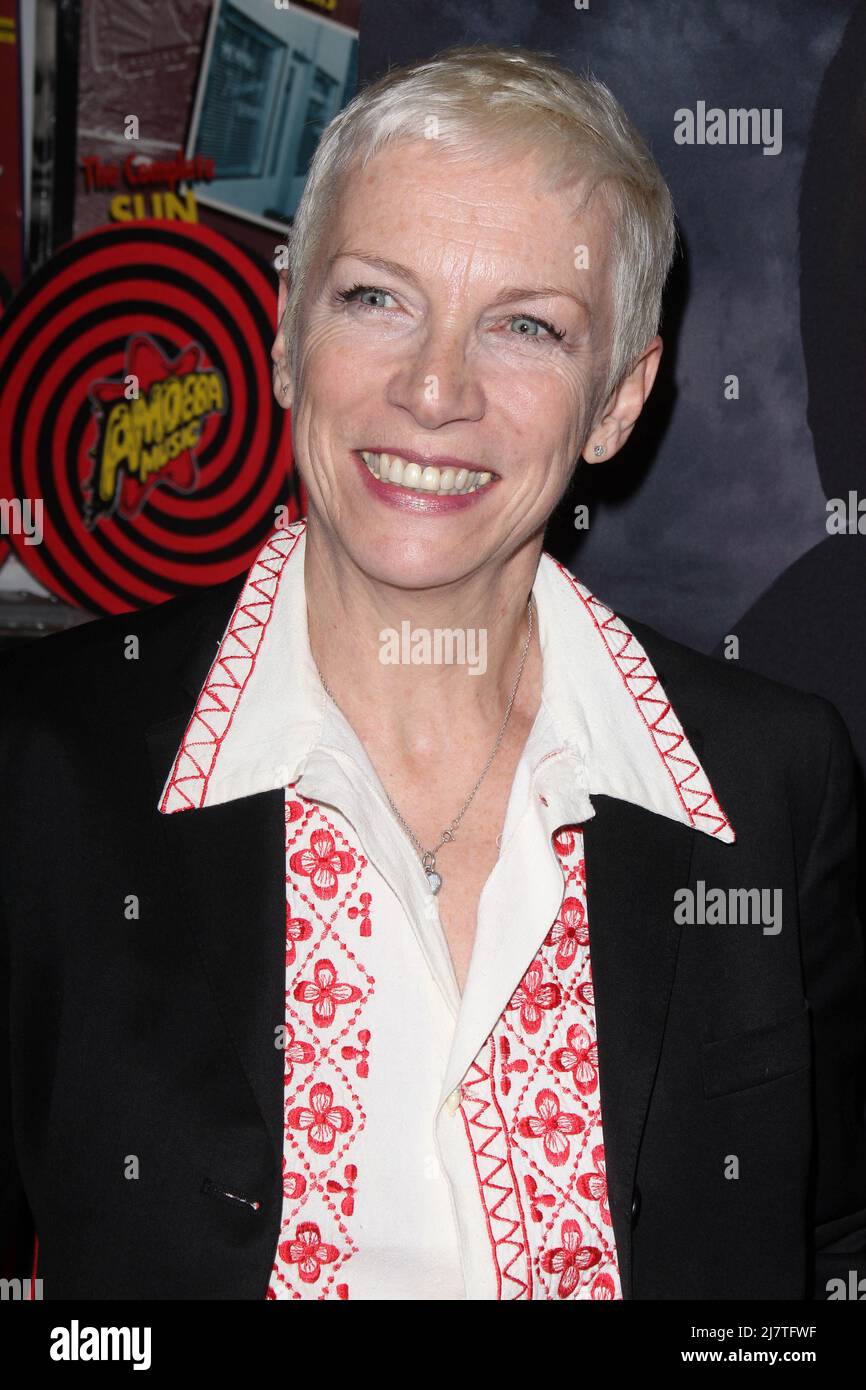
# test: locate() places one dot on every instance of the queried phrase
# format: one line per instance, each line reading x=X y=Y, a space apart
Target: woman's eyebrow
x=379 y=263
x=538 y=292
x=504 y=296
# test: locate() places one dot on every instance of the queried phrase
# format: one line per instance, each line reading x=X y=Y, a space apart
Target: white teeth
x=396 y=471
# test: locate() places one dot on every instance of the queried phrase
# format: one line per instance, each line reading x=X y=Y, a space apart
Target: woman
x=426 y=991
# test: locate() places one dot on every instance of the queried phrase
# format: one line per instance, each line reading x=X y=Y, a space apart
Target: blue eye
x=354 y=295
x=539 y=323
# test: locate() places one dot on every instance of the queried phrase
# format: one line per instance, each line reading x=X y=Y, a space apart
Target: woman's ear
x=624 y=406
x=279 y=355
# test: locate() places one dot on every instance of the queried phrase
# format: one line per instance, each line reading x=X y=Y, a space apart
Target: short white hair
x=482 y=102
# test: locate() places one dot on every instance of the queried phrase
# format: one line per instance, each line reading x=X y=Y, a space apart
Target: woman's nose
x=436 y=383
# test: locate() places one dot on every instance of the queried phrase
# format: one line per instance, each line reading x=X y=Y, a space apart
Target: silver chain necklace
x=428 y=856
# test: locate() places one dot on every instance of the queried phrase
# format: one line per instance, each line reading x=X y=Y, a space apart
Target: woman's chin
x=412 y=569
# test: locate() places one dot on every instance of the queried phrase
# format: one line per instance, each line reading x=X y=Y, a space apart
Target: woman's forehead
x=409 y=196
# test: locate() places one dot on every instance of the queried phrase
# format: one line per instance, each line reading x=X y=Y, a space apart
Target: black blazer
x=142 y=977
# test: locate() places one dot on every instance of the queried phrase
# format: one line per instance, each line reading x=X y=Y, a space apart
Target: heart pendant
x=434 y=880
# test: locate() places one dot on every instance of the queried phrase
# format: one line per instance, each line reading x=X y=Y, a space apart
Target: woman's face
x=451 y=318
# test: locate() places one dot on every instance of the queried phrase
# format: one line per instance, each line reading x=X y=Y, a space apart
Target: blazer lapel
x=229 y=868
x=635 y=861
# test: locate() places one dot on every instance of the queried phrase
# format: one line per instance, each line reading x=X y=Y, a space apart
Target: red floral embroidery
x=552 y=1125
x=602 y=1287
x=308 y=1251
x=294 y=1184
x=568 y=932
x=326 y=1116
x=533 y=996
x=321 y=863
x=324 y=993
x=521 y=1065
x=322 y=1120
x=532 y=1191
x=359 y=1054
x=580 y=1057
x=296 y=1052
x=593 y=1185
x=364 y=913
x=347 y=1205
x=297 y=929
x=564 y=841
x=537 y=1200
x=570 y=1259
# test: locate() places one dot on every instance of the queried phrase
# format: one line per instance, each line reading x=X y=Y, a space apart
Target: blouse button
x=453 y=1102
x=635 y=1206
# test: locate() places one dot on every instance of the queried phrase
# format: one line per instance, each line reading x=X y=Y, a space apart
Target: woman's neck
x=421 y=670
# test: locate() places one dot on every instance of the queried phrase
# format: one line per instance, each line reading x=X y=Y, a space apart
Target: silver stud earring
x=598 y=450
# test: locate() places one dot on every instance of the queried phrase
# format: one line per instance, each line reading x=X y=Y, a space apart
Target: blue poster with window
x=272 y=78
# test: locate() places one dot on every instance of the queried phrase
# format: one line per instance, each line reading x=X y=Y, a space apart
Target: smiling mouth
x=442 y=482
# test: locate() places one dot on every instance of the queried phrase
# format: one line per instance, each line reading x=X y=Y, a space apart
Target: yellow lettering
x=189 y=386
x=178 y=210
x=215 y=392
x=146 y=418
x=116 y=446
x=173 y=403
x=118 y=208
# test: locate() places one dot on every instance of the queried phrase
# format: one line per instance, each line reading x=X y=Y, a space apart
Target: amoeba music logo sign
x=149 y=422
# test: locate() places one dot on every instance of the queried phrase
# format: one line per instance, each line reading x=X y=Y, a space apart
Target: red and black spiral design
x=69 y=330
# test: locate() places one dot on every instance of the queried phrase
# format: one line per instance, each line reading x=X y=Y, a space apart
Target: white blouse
x=438 y=1146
